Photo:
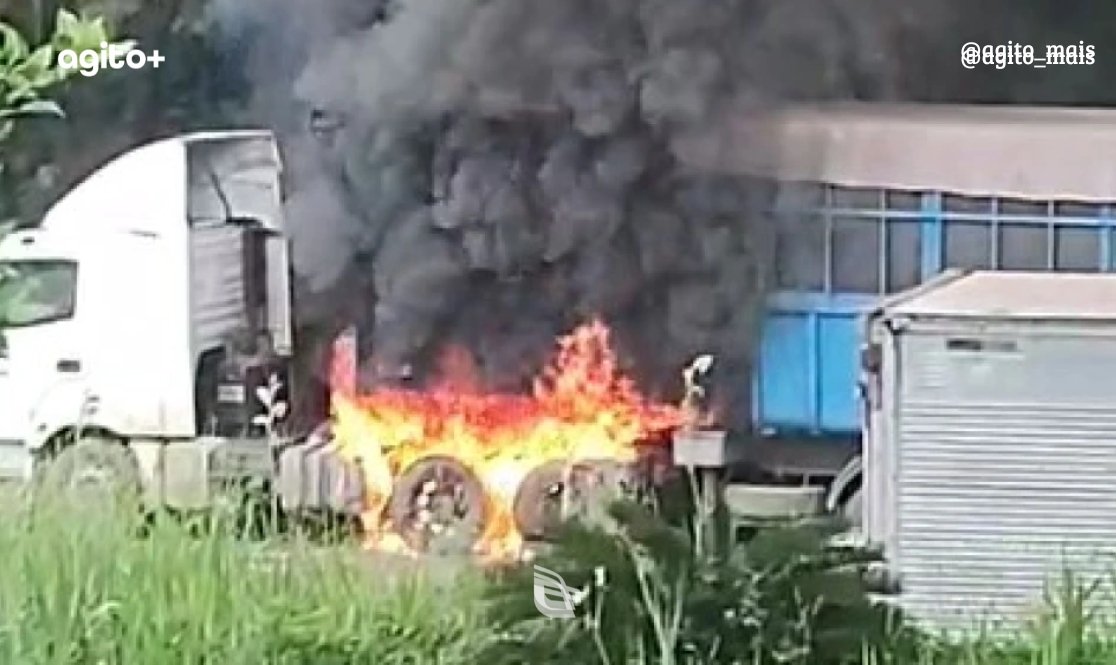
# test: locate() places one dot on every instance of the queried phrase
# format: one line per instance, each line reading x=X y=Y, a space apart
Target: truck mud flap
x=314 y=478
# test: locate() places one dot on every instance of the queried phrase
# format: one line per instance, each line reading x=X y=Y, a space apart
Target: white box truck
x=990 y=442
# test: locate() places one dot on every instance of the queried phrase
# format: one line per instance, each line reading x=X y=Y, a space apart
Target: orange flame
x=581 y=407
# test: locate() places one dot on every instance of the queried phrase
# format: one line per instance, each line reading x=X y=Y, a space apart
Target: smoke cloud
x=491 y=172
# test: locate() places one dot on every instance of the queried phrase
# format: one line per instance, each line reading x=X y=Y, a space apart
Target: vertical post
x=711 y=502
x=996 y=258
x=1107 y=239
x=255 y=286
x=703 y=454
x=37 y=28
x=1051 y=238
x=932 y=236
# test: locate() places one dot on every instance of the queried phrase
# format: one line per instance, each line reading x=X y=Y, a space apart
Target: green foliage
x=201 y=85
x=25 y=73
x=83 y=588
x=1074 y=626
x=784 y=596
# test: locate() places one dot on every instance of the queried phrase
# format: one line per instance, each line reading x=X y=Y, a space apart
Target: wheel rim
x=97 y=478
x=441 y=509
x=96 y=481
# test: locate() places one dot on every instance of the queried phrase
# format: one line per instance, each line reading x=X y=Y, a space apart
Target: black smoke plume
x=490 y=173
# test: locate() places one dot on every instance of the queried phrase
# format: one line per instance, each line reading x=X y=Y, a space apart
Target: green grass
x=78 y=587
x=1065 y=631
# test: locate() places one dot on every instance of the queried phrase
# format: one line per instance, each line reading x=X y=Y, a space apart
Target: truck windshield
x=38 y=291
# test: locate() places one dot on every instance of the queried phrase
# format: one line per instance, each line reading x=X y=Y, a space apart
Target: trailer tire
x=537 y=504
x=558 y=490
x=439 y=506
x=96 y=472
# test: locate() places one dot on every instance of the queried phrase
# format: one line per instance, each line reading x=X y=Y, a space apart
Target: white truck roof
x=1009 y=295
x=1042 y=153
x=159 y=174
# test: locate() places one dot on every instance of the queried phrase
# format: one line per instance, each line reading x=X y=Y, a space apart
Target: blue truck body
x=873 y=199
x=866 y=243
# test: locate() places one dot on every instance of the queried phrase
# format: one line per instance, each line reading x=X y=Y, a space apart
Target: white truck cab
x=118 y=312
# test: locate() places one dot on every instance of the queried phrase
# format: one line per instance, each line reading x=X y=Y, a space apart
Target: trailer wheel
x=439 y=506
x=95 y=472
x=558 y=490
x=537 y=506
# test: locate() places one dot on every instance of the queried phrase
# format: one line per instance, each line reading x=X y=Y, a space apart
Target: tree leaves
x=79 y=34
x=26 y=73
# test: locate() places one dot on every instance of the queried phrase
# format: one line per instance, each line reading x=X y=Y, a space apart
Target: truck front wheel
x=95 y=472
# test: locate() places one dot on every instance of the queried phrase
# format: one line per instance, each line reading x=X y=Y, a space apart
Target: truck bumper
x=773 y=501
x=306 y=476
x=193 y=474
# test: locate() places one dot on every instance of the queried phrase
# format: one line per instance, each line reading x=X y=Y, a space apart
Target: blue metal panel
x=806 y=379
x=806 y=375
x=837 y=372
x=784 y=389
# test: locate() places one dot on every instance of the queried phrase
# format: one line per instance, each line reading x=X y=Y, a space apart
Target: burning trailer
x=453 y=468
